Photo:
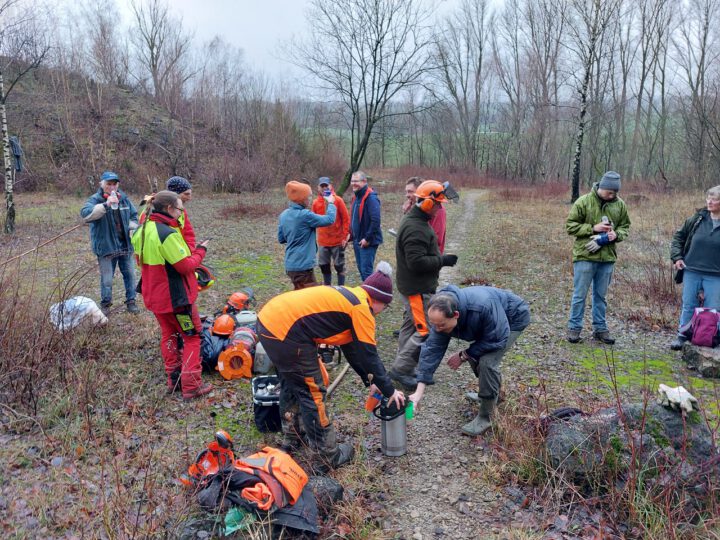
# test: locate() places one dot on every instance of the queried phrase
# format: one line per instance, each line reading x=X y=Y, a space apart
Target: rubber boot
x=481 y=423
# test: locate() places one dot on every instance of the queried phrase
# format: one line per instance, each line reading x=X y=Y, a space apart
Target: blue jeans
x=365 y=259
x=599 y=275
x=693 y=283
x=107 y=271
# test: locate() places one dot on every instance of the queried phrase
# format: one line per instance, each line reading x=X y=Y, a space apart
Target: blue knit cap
x=178 y=184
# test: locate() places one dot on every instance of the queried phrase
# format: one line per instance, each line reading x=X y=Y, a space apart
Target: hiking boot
x=174 y=383
x=345 y=454
x=408 y=382
x=604 y=337
x=105 y=308
x=481 y=423
x=198 y=392
x=132 y=307
x=573 y=335
x=677 y=345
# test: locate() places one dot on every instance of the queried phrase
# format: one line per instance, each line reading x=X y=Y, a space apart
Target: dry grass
x=96 y=400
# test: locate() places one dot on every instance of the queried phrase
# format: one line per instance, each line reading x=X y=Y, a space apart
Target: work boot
x=573 y=335
x=604 y=337
x=345 y=454
x=677 y=345
x=481 y=423
x=174 y=382
x=408 y=382
x=131 y=306
x=198 y=392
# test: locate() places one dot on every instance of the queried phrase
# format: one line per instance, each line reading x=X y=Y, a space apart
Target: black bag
x=679 y=276
x=266 y=406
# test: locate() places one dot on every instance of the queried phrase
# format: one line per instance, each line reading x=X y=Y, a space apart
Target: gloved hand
x=449 y=260
x=596 y=242
x=677 y=398
x=329 y=198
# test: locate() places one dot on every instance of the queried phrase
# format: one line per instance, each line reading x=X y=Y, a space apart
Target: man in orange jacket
x=332 y=239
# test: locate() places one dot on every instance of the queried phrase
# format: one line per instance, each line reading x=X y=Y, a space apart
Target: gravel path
x=437 y=489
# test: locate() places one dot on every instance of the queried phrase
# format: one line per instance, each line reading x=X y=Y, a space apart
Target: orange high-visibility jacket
x=334 y=316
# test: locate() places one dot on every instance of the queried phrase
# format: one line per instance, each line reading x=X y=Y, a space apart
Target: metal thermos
x=393 y=428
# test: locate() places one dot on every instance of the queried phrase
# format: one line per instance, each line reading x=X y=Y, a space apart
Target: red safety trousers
x=186 y=361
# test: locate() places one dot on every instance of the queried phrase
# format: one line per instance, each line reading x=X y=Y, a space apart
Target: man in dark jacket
x=112 y=219
x=365 y=230
x=491 y=319
x=418 y=268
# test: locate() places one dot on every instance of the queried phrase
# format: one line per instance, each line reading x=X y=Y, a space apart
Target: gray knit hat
x=611 y=181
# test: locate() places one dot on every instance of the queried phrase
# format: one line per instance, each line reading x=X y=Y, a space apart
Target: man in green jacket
x=598 y=221
x=418 y=268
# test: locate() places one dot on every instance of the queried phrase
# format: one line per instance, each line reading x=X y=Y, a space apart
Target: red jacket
x=335 y=234
x=437 y=222
x=168 y=265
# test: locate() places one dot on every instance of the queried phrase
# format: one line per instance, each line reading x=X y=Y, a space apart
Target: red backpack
x=704 y=324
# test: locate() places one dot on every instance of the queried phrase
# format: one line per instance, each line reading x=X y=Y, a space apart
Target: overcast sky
x=259 y=27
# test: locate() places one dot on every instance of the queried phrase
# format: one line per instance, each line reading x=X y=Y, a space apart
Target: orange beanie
x=297 y=192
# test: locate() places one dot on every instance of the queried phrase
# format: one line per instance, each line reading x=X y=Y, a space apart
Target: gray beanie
x=610 y=180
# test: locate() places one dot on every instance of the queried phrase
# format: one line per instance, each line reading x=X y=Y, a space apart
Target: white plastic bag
x=70 y=313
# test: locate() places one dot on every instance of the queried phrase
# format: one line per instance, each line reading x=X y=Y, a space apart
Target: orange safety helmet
x=223 y=325
x=238 y=301
x=429 y=192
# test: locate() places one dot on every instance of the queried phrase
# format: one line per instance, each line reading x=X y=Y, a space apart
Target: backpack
x=704 y=324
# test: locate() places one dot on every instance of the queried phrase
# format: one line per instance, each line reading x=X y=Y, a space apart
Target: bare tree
x=162 y=49
x=459 y=52
x=697 y=51
x=107 y=51
x=21 y=51
x=364 y=52
x=588 y=22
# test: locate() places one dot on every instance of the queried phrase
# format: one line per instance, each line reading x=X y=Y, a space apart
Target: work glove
x=596 y=242
x=449 y=260
x=677 y=398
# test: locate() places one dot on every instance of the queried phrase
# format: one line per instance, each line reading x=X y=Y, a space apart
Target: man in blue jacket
x=297 y=230
x=112 y=219
x=365 y=230
x=491 y=319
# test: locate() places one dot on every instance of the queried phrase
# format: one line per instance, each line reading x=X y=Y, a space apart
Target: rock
x=327 y=492
x=599 y=447
x=702 y=359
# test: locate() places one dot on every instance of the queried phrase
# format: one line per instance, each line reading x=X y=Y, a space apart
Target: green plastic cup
x=409 y=410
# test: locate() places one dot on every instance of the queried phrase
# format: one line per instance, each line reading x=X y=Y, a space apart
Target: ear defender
x=426 y=205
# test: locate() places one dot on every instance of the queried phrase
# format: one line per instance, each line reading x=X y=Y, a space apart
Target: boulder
x=587 y=448
x=705 y=360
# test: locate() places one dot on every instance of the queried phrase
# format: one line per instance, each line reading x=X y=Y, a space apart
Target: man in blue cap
x=112 y=219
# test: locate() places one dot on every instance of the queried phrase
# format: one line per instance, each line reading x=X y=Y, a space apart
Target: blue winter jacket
x=103 y=234
x=297 y=230
x=366 y=226
x=487 y=315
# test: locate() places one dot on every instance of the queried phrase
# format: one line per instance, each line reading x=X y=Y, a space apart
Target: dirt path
x=439 y=492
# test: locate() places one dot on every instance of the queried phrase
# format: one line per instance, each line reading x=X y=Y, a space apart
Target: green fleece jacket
x=587 y=212
x=417 y=253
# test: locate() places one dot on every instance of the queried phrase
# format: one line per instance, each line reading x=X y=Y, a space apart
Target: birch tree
x=21 y=51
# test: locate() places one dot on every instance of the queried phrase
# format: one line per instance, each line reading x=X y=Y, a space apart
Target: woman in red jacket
x=169 y=290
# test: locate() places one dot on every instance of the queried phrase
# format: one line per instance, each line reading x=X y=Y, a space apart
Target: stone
x=584 y=445
x=704 y=360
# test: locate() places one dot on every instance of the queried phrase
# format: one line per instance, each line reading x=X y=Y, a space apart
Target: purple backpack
x=704 y=324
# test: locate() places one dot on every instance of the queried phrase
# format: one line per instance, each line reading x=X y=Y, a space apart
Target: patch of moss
x=655 y=429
